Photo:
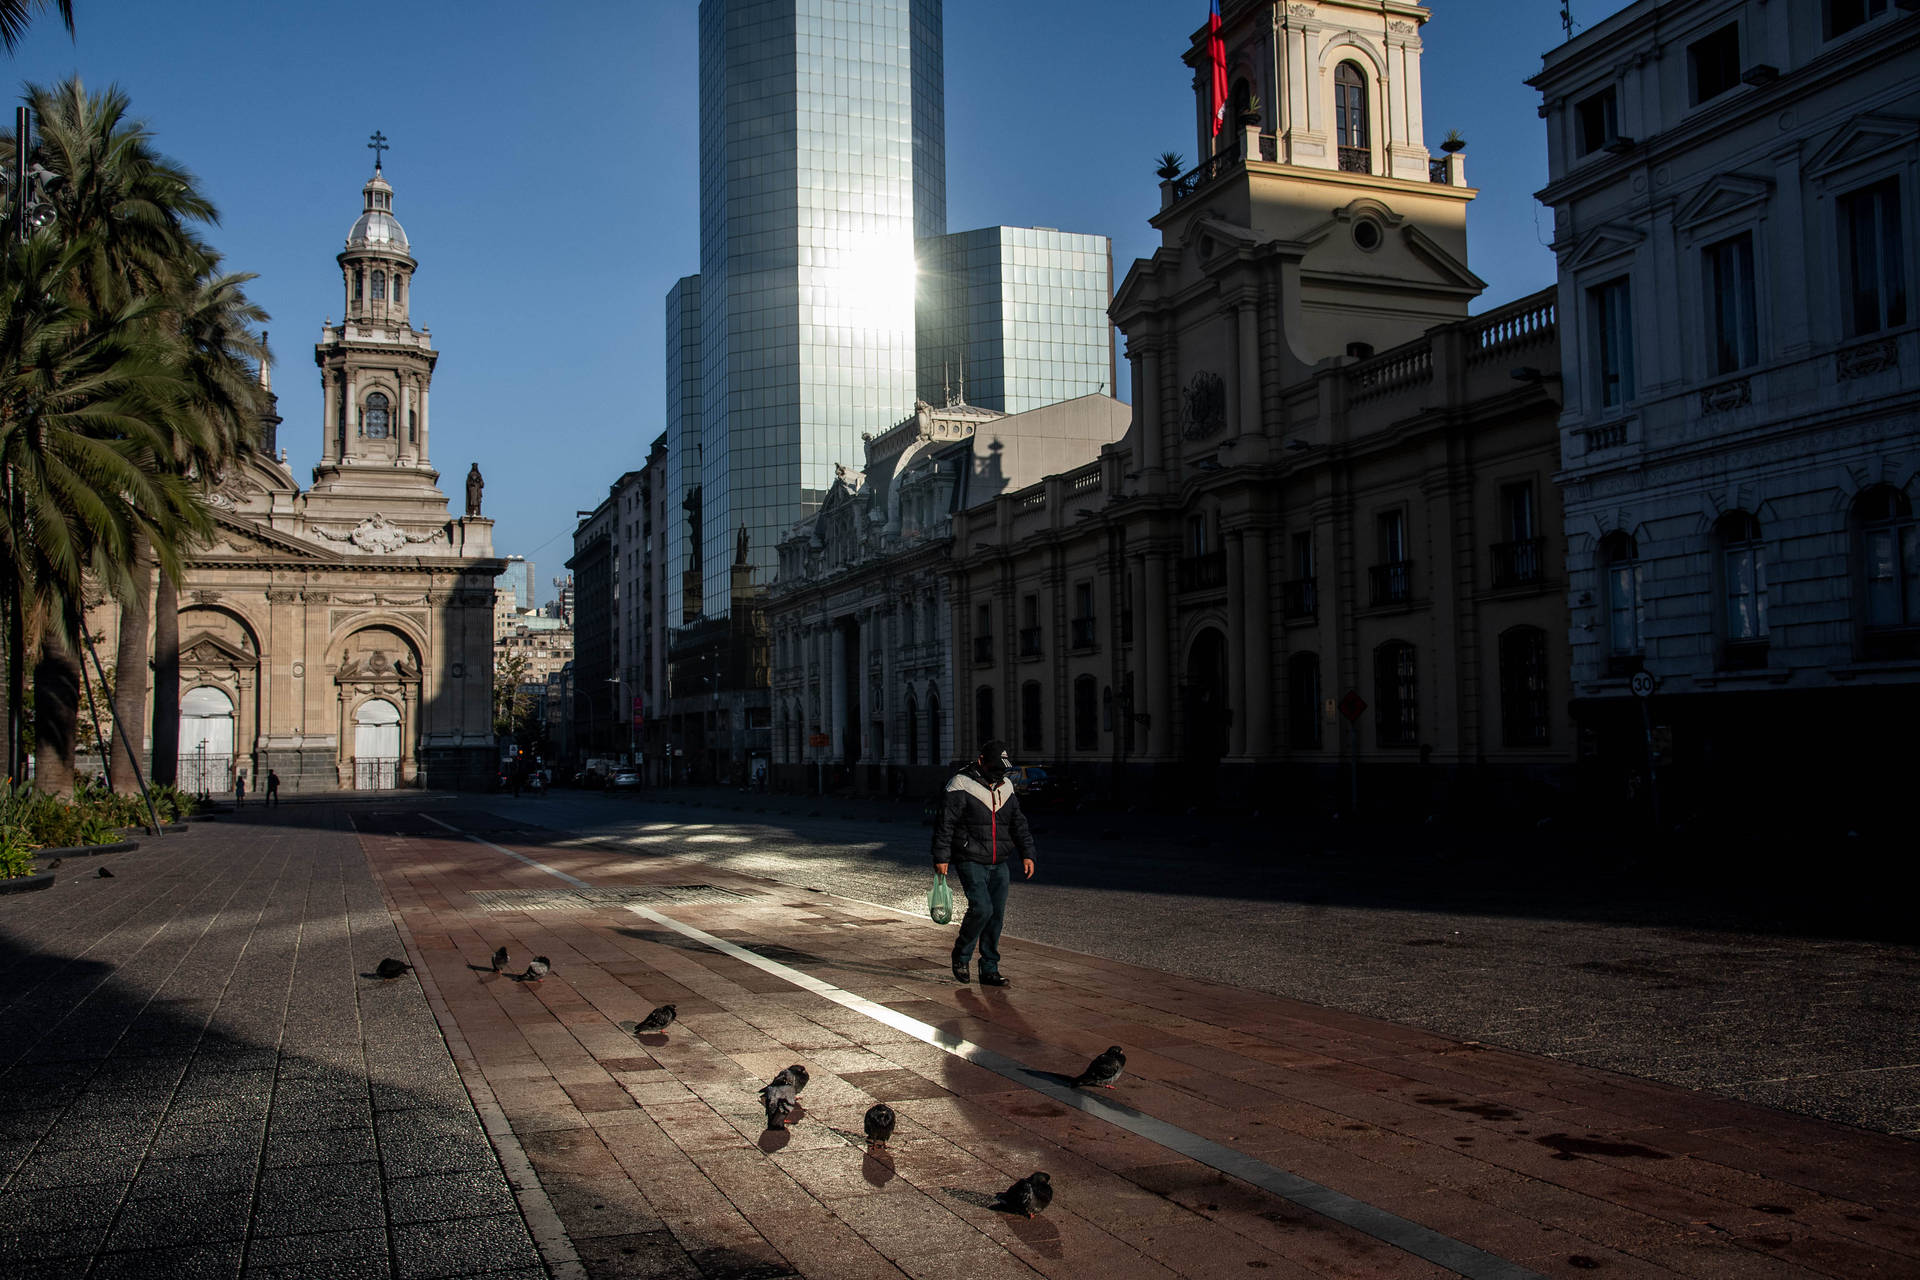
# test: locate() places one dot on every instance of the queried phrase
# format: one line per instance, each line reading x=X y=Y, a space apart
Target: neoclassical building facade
x=342 y=636
x=1320 y=570
x=1736 y=197
x=863 y=661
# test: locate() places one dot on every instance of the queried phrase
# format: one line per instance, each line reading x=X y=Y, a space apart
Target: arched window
x=374 y=421
x=1032 y=732
x=1619 y=561
x=1395 y=695
x=1524 y=712
x=359 y=283
x=1303 y=701
x=1743 y=589
x=913 y=729
x=1350 y=118
x=983 y=726
x=413 y=428
x=379 y=286
x=399 y=288
x=907 y=637
x=1888 y=541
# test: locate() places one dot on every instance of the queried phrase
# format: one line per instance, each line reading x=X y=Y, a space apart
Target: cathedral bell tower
x=375 y=370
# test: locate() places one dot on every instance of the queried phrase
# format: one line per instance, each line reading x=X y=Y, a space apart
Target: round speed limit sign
x=1643 y=684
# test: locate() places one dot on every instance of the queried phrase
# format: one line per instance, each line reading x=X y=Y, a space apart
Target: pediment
x=1342 y=218
x=1450 y=269
x=1861 y=138
x=1209 y=236
x=204 y=649
x=1601 y=244
x=238 y=538
x=1721 y=195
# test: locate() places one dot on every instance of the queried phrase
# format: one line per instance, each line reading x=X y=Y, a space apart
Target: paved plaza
x=202 y=1076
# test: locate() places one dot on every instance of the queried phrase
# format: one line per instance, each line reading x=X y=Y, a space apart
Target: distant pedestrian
x=239 y=789
x=978 y=802
x=273 y=787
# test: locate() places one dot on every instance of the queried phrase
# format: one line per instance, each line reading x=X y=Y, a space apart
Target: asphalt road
x=1746 y=986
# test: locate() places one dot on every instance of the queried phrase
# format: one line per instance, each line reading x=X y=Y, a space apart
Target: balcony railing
x=1519 y=564
x=1391 y=583
x=1300 y=598
x=1029 y=642
x=983 y=648
x=1355 y=160
x=1080 y=634
x=1199 y=573
x=1437 y=170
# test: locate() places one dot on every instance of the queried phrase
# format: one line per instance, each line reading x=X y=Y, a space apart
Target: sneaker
x=961 y=975
x=994 y=980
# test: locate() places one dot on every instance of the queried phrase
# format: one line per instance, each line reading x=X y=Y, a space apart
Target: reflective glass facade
x=822 y=159
x=1013 y=318
x=683 y=439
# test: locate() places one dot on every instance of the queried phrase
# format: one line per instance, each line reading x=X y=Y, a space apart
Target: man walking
x=273 y=787
x=979 y=832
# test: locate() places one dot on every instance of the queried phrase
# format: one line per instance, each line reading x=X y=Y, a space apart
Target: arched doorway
x=1205 y=697
x=206 y=740
x=376 y=746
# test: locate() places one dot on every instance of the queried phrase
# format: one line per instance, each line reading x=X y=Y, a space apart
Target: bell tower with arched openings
x=376 y=368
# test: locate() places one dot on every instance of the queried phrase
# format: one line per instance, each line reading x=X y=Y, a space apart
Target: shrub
x=16 y=854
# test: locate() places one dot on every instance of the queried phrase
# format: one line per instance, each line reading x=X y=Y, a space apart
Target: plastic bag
x=940 y=900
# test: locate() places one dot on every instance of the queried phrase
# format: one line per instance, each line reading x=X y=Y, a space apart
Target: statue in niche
x=475 y=485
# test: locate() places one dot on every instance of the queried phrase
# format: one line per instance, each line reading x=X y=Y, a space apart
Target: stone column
x=863 y=688
x=889 y=695
x=330 y=436
x=837 y=708
x=1156 y=672
x=1247 y=330
x=1146 y=402
x=1235 y=405
x=1259 y=647
x=1238 y=652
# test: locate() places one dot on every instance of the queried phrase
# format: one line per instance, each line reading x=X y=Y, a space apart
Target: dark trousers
x=986 y=890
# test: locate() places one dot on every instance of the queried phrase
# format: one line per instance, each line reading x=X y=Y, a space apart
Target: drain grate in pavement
x=576 y=899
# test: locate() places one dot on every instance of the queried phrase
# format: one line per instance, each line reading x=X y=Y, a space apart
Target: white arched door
x=206 y=740
x=376 y=746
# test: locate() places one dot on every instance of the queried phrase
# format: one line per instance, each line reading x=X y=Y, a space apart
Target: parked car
x=625 y=779
x=1041 y=789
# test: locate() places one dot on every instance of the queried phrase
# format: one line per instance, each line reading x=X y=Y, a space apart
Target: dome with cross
x=376 y=226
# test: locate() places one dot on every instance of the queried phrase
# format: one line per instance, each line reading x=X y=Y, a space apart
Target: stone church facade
x=342 y=636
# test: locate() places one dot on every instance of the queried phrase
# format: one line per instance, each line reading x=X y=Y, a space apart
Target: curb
x=88 y=850
x=27 y=884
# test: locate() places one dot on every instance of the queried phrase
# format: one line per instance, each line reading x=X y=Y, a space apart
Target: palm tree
x=15 y=15
x=130 y=258
x=86 y=403
x=221 y=424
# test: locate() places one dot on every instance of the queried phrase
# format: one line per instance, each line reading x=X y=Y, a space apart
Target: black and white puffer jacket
x=980 y=821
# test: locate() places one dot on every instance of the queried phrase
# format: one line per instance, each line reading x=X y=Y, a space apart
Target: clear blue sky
x=544 y=165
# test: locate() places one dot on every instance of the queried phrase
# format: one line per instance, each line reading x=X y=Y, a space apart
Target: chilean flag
x=1217 y=55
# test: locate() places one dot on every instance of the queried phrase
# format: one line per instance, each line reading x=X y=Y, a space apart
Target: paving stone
x=74 y=1166
x=442 y=1196
x=286 y=1150
x=369 y=1268
x=179 y=1221
x=427 y=1250
x=201 y=1262
x=640 y=1256
x=343 y=1196
x=314 y=1247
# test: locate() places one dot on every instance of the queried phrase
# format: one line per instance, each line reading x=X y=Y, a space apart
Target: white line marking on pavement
x=537 y=866
x=1389 y=1228
x=1422 y=1242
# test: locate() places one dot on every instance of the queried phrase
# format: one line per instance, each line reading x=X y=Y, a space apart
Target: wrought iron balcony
x=983 y=648
x=1080 y=634
x=1300 y=598
x=1519 y=564
x=1203 y=572
x=1029 y=642
x=1355 y=160
x=1391 y=583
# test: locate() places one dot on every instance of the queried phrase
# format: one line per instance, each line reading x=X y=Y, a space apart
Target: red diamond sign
x=1352 y=705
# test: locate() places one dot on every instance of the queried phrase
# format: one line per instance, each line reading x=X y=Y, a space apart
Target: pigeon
x=500 y=960
x=781 y=1099
x=391 y=968
x=1031 y=1195
x=795 y=1075
x=104 y=874
x=659 y=1020
x=1103 y=1070
x=537 y=970
x=879 y=1124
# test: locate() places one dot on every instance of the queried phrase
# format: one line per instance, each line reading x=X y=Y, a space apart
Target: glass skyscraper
x=683 y=447
x=1013 y=318
x=822 y=161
